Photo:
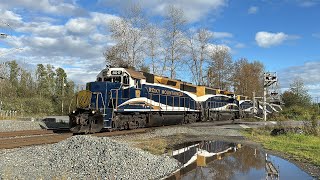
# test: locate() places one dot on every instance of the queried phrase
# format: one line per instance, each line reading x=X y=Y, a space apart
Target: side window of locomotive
x=137 y=83
x=126 y=79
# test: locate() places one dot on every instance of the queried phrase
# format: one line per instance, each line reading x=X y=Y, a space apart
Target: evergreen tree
x=43 y=85
x=61 y=82
x=51 y=79
x=14 y=73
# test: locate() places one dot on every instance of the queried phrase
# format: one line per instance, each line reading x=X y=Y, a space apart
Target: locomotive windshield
x=116 y=76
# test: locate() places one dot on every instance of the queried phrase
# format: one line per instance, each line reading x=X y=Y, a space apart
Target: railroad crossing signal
x=269 y=79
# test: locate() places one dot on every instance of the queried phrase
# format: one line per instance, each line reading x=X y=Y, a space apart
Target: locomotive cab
x=127 y=77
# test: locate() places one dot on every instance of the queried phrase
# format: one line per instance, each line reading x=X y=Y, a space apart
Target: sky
x=73 y=34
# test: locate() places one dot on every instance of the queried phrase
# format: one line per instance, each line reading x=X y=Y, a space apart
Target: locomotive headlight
x=93 y=112
x=73 y=112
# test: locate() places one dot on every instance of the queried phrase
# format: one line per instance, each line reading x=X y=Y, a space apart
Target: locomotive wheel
x=219 y=118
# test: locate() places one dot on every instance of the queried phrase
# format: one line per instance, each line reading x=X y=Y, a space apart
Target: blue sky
x=283 y=34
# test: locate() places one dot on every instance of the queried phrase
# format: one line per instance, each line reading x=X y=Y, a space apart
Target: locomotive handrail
x=97 y=101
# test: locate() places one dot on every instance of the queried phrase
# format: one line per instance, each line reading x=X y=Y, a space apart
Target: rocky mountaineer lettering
x=164 y=92
x=154 y=90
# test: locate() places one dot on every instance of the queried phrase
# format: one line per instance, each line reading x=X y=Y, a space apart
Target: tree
x=220 y=69
x=115 y=57
x=43 y=85
x=198 y=49
x=25 y=85
x=248 y=77
x=60 y=81
x=153 y=48
x=297 y=95
x=174 y=39
x=14 y=73
x=50 y=79
x=128 y=33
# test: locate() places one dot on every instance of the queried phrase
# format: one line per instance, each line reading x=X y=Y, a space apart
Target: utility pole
x=269 y=79
x=317 y=103
x=254 y=102
x=265 y=103
x=62 y=89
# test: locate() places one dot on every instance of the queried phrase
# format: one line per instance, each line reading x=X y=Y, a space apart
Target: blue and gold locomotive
x=122 y=98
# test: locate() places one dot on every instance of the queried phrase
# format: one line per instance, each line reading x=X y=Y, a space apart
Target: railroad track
x=17 y=142
x=17 y=139
x=24 y=133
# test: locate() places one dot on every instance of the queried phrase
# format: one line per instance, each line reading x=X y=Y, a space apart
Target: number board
x=116 y=72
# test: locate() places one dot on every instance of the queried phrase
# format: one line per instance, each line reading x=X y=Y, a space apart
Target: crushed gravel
x=84 y=157
x=15 y=125
x=174 y=130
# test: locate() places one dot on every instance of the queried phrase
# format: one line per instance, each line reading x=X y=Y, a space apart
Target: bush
x=312 y=127
x=38 y=105
x=298 y=113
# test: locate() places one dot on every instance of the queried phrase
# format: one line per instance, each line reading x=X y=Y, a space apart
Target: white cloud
x=76 y=45
x=194 y=10
x=240 y=45
x=308 y=72
x=80 y=25
x=102 y=19
x=42 y=29
x=8 y=20
x=307 y=3
x=220 y=35
x=253 y=10
x=316 y=35
x=43 y=42
x=46 y=6
x=268 y=39
x=9 y=16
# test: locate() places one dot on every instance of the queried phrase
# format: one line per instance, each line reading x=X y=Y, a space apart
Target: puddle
x=225 y=160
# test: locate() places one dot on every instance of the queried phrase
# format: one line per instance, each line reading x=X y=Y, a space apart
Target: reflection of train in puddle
x=221 y=160
x=207 y=149
x=199 y=154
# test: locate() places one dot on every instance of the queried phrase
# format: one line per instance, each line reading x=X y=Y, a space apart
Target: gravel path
x=84 y=157
x=187 y=130
x=14 y=125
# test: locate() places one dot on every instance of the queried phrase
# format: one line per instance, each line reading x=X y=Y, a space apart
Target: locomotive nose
x=86 y=121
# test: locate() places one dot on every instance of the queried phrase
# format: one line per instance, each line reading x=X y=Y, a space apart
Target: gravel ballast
x=84 y=157
x=15 y=125
x=209 y=131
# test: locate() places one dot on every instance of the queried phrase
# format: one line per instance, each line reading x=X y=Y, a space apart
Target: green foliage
x=297 y=95
x=297 y=113
x=312 y=127
x=299 y=146
x=298 y=104
x=42 y=95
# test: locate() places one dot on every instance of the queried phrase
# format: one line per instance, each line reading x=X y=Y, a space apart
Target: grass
x=159 y=145
x=155 y=145
x=305 y=148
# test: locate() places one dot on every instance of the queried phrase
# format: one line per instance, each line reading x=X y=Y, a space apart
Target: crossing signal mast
x=270 y=78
